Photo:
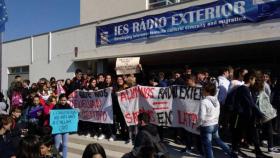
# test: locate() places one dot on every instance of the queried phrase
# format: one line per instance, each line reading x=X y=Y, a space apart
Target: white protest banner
x=145 y=99
x=94 y=106
x=127 y=65
x=185 y=107
x=175 y=106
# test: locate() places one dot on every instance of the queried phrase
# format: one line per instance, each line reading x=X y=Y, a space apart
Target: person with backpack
x=148 y=136
x=16 y=95
x=245 y=117
x=262 y=100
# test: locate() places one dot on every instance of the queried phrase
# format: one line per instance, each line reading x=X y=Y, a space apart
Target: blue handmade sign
x=64 y=121
x=191 y=19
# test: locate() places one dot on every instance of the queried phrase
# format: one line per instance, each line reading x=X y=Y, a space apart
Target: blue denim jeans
x=61 y=139
x=208 y=133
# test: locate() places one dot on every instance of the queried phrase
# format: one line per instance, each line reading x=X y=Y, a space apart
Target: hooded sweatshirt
x=209 y=111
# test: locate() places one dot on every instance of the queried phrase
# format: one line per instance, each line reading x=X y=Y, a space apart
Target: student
x=16 y=95
x=208 y=122
x=44 y=91
x=223 y=85
x=94 y=150
x=258 y=91
x=6 y=148
x=63 y=137
x=67 y=87
x=34 y=114
x=109 y=130
x=245 y=117
x=120 y=85
x=148 y=135
x=48 y=106
x=46 y=148
x=89 y=128
x=29 y=147
x=76 y=82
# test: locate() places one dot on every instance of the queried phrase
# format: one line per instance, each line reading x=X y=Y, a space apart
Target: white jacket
x=209 y=111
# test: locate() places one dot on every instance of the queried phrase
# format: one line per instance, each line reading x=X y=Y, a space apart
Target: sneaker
x=264 y=143
x=95 y=137
x=102 y=136
x=111 y=139
x=273 y=151
x=128 y=141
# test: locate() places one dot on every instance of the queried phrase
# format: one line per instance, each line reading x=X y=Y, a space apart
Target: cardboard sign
x=127 y=65
x=64 y=121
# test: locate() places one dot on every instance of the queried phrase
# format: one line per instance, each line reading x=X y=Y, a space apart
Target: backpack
x=161 y=150
x=16 y=99
x=264 y=105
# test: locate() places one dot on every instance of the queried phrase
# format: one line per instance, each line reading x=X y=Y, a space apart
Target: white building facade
x=60 y=52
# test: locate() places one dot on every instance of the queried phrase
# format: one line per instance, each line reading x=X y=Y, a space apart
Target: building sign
x=191 y=19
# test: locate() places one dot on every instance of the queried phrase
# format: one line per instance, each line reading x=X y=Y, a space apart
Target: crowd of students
x=231 y=103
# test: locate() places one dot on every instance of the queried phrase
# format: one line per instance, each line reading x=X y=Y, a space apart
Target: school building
x=166 y=34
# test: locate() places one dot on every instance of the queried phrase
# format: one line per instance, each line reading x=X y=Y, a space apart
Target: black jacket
x=142 y=139
x=75 y=84
x=245 y=104
x=59 y=106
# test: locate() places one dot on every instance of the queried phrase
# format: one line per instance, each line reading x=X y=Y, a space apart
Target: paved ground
x=117 y=148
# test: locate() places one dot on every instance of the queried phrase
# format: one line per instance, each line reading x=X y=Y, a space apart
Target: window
x=161 y=3
x=19 y=70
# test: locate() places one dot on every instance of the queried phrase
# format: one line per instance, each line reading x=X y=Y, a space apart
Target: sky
x=32 y=17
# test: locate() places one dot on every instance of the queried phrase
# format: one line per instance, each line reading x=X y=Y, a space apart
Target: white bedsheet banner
x=94 y=106
x=175 y=106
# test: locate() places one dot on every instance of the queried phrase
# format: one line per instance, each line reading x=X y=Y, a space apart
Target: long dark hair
x=29 y=147
x=93 y=149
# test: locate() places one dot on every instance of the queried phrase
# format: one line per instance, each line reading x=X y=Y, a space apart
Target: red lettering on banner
x=95 y=115
x=135 y=116
x=128 y=117
x=187 y=119
x=133 y=93
x=129 y=94
x=146 y=92
x=160 y=103
x=123 y=96
x=85 y=103
x=161 y=108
